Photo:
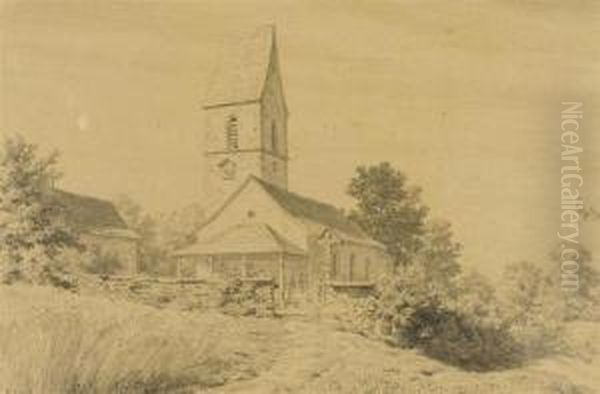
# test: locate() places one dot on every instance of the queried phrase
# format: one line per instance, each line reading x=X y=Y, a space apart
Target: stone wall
x=181 y=294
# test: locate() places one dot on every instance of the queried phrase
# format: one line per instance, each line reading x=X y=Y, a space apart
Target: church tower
x=246 y=118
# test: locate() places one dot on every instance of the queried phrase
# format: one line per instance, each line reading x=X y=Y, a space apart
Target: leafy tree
x=582 y=302
x=439 y=256
x=389 y=210
x=180 y=227
x=150 y=254
x=32 y=229
x=160 y=234
x=102 y=262
x=533 y=307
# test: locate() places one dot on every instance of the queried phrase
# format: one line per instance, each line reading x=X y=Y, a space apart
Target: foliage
x=462 y=327
x=439 y=257
x=476 y=298
x=33 y=232
x=457 y=317
x=583 y=302
x=389 y=210
x=533 y=307
x=151 y=256
x=249 y=298
x=353 y=314
x=160 y=234
x=426 y=303
x=102 y=262
x=467 y=330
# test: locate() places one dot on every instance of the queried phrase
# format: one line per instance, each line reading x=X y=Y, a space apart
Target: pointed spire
x=243 y=69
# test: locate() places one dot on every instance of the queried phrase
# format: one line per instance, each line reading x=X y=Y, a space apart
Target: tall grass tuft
x=52 y=341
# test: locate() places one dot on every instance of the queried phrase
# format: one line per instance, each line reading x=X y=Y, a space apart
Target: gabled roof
x=300 y=207
x=307 y=208
x=243 y=69
x=244 y=239
x=88 y=213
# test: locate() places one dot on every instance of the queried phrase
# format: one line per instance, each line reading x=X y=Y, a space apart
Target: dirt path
x=307 y=351
x=313 y=357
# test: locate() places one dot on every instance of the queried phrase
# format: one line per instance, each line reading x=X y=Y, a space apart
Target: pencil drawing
x=210 y=269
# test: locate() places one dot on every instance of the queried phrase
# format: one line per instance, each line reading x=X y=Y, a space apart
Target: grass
x=370 y=367
x=56 y=342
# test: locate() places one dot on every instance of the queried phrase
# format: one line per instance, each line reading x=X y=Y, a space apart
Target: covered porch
x=251 y=252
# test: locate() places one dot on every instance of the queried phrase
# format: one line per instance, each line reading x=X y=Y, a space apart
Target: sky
x=463 y=96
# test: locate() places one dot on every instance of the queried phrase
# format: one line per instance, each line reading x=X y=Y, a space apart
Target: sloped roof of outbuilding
x=244 y=239
x=87 y=213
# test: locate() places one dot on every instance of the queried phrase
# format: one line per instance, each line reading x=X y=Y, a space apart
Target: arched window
x=273 y=136
x=231 y=133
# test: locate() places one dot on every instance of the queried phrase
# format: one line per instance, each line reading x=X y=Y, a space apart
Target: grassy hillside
x=55 y=342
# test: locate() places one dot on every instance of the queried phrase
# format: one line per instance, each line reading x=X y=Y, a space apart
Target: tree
x=439 y=256
x=150 y=254
x=32 y=229
x=180 y=227
x=476 y=298
x=389 y=210
x=413 y=305
x=160 y=234
x=532 y=307
x=582 y=301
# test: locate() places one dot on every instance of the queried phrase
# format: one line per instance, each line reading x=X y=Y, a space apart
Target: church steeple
x=246 y=117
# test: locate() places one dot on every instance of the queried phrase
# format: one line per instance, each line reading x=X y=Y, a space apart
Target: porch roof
x=244 y=239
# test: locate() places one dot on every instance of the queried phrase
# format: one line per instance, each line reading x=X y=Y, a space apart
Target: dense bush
x=460 y=340
x=97 y=261
x=461 y=327
x=357 y=315
x=249 y=298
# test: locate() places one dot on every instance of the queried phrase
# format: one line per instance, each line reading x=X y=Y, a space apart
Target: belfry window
x=231 y=133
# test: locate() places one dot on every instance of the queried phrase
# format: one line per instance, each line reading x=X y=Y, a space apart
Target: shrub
x=352 y=314
x=407 y=310
x=460 y=340
x=249 y=298
x=101 y=262
x=533 y=308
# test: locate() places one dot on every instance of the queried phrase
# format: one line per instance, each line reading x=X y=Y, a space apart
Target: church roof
x=88 y=213
x=244 y=239
x=310 y=209
x=243 y=69
x=304 y=208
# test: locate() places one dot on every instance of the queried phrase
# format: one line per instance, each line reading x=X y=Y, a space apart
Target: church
x=259 y=229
